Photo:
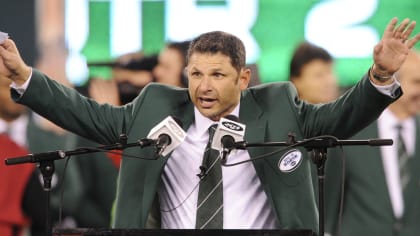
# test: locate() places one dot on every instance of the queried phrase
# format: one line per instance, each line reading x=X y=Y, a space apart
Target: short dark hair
x=218 y=41
x=182 y=48
x=304 y=53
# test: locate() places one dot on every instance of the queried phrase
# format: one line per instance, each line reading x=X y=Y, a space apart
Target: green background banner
x=348 y=29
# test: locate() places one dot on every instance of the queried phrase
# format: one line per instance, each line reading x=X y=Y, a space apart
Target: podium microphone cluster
x=228 y=132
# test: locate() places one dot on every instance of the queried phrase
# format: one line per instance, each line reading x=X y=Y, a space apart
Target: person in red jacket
x=13 y=180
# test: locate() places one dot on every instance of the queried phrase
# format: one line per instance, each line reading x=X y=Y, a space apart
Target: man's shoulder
x=272 y=90
x=158 y=87
x=158 y=95
x=163 y=91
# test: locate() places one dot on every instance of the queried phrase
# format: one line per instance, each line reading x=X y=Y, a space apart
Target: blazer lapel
x=252 y=115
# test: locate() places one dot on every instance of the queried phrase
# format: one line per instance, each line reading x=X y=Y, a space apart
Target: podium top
x=179 y=232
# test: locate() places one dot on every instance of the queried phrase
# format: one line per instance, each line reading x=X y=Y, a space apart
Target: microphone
x=228 y=132
x=168 y=135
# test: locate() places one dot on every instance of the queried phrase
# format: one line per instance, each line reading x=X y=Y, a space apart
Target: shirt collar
x=389 y=120
x=21 y=120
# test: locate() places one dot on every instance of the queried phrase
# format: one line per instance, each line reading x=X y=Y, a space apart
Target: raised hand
x=11 y=64
x=390 y=53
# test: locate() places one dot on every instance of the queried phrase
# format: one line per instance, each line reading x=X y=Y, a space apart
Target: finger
x=389 y=30
x=10 y=46
x=409 y=30
x=401 y=28
x=413 y=41
x=3 y=52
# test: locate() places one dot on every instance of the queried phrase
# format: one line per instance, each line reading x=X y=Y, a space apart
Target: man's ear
x=244 y=78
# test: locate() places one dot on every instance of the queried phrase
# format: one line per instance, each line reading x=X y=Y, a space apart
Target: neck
x=8 y=119
x=399 y=112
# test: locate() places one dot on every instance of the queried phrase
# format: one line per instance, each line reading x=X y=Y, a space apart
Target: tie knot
x=399 y=127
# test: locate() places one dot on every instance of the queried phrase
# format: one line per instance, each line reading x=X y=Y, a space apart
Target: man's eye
x=218 y=75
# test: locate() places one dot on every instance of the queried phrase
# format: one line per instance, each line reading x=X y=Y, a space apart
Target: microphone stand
x=45 y=161
x=318 y=148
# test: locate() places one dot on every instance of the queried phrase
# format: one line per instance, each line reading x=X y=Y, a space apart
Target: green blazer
x=367 y=205
x=270 y=112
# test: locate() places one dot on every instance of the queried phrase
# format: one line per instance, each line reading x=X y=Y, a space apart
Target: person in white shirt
x=382 y=184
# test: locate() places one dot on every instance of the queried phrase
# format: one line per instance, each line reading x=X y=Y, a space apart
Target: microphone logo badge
x=290 y=161
x=232 y=126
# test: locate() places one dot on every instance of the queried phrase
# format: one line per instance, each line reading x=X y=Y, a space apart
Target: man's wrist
x=21 y=88
x=20 y=78
x=379 y=76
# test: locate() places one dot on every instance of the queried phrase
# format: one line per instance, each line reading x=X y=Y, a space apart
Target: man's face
x=9 y=110
x=409 y=76
x=317 y=82
x=214 y=84
x=169 y=68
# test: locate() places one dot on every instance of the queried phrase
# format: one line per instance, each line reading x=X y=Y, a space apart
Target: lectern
x=180 y=232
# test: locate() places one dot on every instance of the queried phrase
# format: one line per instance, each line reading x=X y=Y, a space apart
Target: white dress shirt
x=387 y=123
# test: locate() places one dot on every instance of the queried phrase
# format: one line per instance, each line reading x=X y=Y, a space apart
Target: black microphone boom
x=59 y=154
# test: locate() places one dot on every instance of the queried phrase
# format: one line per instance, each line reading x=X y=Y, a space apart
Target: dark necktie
x=402 y=159
x=210 y=193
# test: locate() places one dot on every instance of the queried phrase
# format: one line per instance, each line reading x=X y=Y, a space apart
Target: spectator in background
x=131 y=72
x=312 y=73
x=13 y=179
x=381 y=189
x=171 y=64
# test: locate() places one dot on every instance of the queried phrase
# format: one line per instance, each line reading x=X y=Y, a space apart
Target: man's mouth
x=206 y=102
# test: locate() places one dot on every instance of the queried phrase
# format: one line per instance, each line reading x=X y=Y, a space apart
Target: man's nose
x=205 y=84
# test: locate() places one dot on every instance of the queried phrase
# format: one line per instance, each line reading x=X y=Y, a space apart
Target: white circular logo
x=290 y=160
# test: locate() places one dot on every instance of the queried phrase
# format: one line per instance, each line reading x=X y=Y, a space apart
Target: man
x=381 y=188
x=312 y=73
x=254 y=195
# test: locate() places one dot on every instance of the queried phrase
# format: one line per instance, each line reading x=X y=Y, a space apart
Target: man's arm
x=68 y=109
x=365 y=101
